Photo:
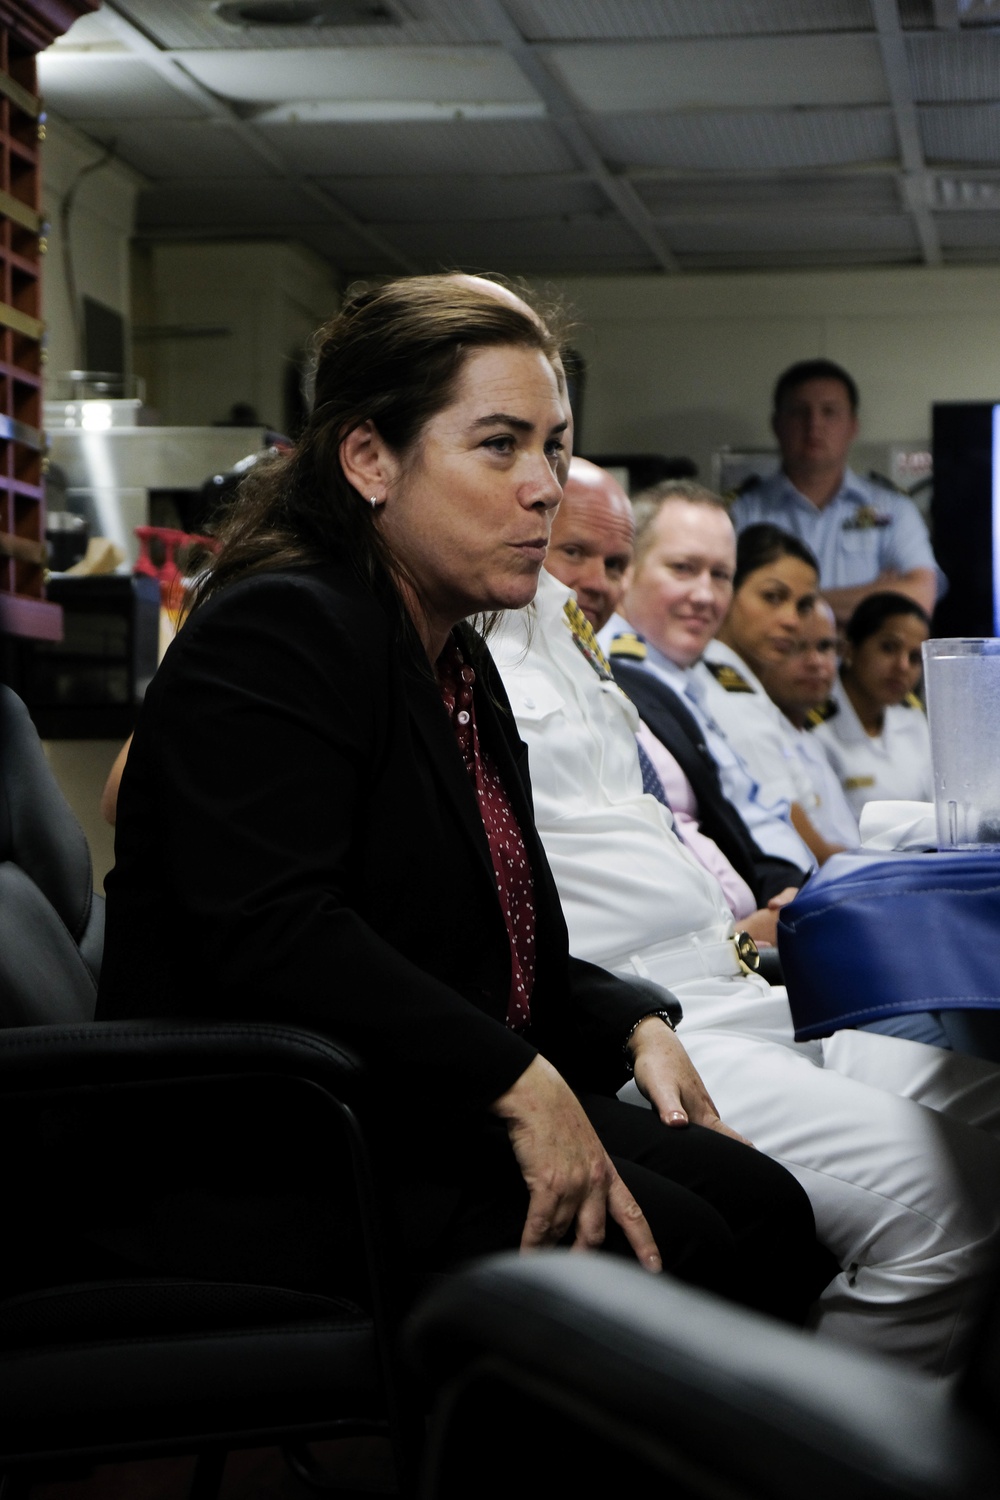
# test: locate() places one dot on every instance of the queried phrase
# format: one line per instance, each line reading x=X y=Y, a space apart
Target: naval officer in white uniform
x=874 y=729
x=774 y=593
x=895 y=1143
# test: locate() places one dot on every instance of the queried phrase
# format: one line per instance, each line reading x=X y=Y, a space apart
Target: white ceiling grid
x=548 y=136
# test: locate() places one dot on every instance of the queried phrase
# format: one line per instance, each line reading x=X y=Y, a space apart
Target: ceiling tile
x=723 y=73
x=666 y=197
x=958 y=230
x=747 y=140
x=954 y=67
x=596 y=20
x=790 y=260
x=486 y=146
x=161 y=148
x=473 y=197
x=916 y=13
x=236 y=202
x=792 y=231
x=524 y=246
x=962 y=133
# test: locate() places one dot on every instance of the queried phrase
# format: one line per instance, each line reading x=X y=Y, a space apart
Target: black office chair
x=51 y=920
x=563 y=1373
x=192 y=1258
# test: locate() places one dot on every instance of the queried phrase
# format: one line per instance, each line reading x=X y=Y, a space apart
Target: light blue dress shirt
x=769 y=823
x=865 y=530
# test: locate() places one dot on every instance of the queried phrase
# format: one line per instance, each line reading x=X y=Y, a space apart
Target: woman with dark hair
x=326 y=800
x=874 y=729
x=774 y=592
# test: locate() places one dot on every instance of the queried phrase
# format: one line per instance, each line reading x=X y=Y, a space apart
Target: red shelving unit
x=26 y=27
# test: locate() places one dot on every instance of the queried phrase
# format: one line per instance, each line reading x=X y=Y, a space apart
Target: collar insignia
x=824 y=711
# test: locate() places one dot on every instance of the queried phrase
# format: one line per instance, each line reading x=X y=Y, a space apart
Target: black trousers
x=724 y=1216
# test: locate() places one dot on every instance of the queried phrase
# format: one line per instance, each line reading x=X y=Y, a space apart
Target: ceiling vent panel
x=178 y=25
x=333 y=13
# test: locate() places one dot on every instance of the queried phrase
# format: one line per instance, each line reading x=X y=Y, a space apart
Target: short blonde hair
x=648 y=504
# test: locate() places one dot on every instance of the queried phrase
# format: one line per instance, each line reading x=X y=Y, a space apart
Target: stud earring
x=374 y=502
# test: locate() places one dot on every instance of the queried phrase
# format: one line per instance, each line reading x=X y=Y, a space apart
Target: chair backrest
x=586 y=1374
x=51 y=921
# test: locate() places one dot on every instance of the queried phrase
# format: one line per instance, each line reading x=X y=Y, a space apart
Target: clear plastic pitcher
x=962 y=683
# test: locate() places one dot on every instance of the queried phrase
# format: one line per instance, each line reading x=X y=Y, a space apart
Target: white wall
x=101 y=222
x=682 y=365
x=268 y=297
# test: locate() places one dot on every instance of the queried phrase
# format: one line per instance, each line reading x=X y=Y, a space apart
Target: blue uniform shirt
x=864 y=530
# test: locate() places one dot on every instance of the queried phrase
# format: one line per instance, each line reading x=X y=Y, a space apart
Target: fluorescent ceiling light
x=391 y=111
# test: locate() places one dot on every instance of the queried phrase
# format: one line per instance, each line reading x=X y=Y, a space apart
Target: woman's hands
x=569 y=1175
x=667 y=1077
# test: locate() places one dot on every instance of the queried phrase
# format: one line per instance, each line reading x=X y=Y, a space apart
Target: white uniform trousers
x=895 y=1143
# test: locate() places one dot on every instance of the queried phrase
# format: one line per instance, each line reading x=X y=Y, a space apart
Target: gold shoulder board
x=728 y=677
x=628 y=645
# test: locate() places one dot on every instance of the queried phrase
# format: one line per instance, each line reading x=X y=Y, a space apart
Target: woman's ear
x=367 y=461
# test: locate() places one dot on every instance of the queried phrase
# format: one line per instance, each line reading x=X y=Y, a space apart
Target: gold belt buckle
x=747 y=952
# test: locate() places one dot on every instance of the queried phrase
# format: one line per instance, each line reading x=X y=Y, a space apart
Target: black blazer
x=676 y=727
x=298 y=840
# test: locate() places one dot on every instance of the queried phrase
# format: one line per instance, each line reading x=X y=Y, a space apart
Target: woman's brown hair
x=392 y=356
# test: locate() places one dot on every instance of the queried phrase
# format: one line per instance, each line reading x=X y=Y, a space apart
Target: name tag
x=854 y=783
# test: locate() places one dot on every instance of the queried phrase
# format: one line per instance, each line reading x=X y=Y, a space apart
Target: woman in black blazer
x=326 y=802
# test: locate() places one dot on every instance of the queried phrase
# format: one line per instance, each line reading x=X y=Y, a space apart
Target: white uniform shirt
x=894 y=766
x=768 y=821
x=753 y=724
x=625 y=880
x=784 y=760
x=831 y=811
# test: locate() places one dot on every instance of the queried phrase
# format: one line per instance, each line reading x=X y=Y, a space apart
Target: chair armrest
x=108 y=1052
x=221 y=1149
x=732 y=1397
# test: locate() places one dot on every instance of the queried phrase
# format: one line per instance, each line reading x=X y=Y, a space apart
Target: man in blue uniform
x=866 y=536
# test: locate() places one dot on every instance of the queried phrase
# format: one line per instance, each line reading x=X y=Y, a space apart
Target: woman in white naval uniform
x=774 y=590
x=874 y=730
